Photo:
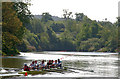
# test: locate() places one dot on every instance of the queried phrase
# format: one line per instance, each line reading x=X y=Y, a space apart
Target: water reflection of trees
x=13 y=62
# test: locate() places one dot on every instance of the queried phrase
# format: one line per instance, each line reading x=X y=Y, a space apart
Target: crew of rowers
x=39 y=66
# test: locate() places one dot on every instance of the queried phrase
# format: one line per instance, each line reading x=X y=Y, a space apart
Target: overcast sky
x=94 y=9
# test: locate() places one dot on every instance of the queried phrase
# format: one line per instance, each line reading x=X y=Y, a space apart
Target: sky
x=94 y=9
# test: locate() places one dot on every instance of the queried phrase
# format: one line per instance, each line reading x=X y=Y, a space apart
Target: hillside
x=55 y=18
x=71 y=35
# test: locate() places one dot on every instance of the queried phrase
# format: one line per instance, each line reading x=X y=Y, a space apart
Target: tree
x=23 y=12
x=84 y=33
x=46 y=17
x=36 y=26
x=11 y=29
x=67 y=15
x=58 y=27
x=9 y=43
x=15 y=17
x=79 y=16
x=92 y=44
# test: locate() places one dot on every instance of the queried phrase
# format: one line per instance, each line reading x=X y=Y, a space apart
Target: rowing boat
x=44 y=71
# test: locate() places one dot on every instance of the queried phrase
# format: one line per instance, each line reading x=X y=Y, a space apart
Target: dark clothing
x=26 y=68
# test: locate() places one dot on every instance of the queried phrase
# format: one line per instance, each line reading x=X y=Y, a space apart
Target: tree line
x=79 y=34
x=23 y=32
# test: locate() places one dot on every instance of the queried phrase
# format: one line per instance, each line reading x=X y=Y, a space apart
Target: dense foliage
x=21 y=33
x=80 y=34
x=14 y=19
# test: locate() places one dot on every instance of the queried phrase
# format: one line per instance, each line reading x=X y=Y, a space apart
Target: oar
x=16 y=69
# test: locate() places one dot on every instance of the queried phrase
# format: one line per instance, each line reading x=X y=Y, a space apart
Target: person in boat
x=32 y=65
x=35 y=61
x=49 y=64
x=59 y=63
x=26 y=68
x=37 y=66
x=42 y=65
x=55 y=63
x=52 y=64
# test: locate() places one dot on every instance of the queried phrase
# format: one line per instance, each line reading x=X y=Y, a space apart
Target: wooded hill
x=80 y=34
x=50 y=33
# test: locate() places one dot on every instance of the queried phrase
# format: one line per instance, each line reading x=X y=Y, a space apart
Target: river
x=80 y=64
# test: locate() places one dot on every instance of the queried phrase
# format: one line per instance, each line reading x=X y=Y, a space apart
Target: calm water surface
x=80 y=64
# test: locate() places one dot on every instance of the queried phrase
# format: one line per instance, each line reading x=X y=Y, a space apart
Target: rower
x=52 y=64
x=42 y=65
x=37 y=66
x=55 y=63
x=59 y=63
x=32 y=65
x=48 y=64
x=35 y=61
x=26 y=68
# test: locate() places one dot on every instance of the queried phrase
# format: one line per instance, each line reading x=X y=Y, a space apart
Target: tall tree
x=11 y=25
x=46 y=17
x=15 y=16
x=23 y=12
x=79 y=16
x=66 y=14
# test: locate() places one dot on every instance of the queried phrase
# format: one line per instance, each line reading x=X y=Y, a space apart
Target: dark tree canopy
x=46 y=17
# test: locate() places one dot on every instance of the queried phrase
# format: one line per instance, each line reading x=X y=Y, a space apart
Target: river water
x=80 y=64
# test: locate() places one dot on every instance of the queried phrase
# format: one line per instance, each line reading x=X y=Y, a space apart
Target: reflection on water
x=79 y=64
x=12 y=62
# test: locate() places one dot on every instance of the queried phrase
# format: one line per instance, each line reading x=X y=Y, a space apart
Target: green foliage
x=14 y=18
x=9 y=43
x=92 y=44
x=66 y=14
x=11 y=33
x=35 y=26
x=46 y=17
x=79 y=16
x=23 y=12
x=44 y=41
x=58 y=27
x=22 y=33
